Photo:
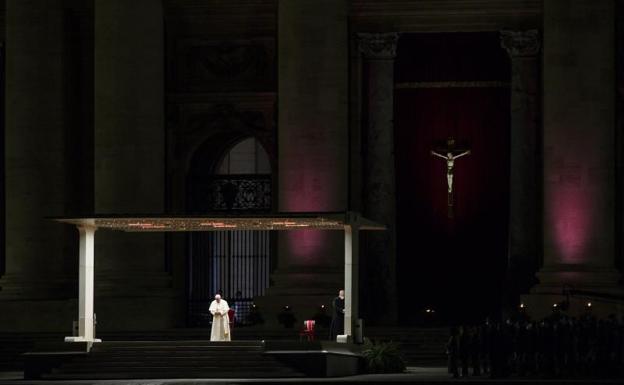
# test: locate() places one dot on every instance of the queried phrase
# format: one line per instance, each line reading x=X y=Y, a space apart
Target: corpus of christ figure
x=450 y=154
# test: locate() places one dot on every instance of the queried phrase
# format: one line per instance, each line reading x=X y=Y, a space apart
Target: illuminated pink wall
x=579 y=186
x=579 y=132
x=312 y=126
x=309 y=187
x=579 y=197
x=570 y=221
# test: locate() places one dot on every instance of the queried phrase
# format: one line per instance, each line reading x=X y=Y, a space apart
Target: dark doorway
x=451 y=85
x=235 y=264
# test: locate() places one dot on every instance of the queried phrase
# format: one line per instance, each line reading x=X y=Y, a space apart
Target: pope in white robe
x=220 y=320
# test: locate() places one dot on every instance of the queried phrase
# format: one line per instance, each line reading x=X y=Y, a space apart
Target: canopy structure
x=284 y=221
x=351 y=223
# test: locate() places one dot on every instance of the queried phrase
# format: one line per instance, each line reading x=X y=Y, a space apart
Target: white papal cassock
x=220 y=321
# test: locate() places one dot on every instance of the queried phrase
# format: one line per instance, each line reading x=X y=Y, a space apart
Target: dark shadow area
x=451 y=259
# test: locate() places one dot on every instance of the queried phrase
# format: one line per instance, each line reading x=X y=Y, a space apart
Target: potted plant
x=383 y=357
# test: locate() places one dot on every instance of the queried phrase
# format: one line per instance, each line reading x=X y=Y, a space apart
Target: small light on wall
x=555 y=305
x=589 y=304
x=322 y=306
x=429 y=311
x=522 y=306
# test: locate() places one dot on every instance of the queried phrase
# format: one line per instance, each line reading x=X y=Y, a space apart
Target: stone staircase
x=13 y=345
x=173 y=359
x=422 y=347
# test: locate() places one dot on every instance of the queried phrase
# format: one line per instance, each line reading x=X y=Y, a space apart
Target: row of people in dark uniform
x=557 y=346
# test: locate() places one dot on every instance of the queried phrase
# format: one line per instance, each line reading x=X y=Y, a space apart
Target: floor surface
x=413 y=375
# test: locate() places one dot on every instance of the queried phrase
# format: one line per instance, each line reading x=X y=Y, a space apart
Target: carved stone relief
x=212 y=66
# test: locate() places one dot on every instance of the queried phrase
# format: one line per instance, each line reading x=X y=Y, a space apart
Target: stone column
x=619 y=131
x=524 y=194
x=579 y=159
x=37 y=119
x=129 y=145
x=379 y=51
x=313 y=149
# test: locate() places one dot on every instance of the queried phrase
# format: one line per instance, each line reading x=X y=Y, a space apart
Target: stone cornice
x=452 y=84
x=377 y=45
x=520 y=43
x=422 y=6
x=444 y=16
x=221 y=17
x=221 y=6
x=260 y=16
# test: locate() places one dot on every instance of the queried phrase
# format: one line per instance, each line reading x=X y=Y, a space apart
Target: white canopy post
x=352 y=281
x=85 y=285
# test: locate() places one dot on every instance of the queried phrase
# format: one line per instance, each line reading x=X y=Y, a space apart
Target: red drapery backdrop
x=451 y=85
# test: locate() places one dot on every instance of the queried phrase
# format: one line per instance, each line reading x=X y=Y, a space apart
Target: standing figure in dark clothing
x=485 y=345
x=452 y=351
x=497 y=352
x=464 y=349
x=337 y=324
x=475 y=352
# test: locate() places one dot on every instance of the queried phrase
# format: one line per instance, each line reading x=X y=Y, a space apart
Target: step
x=171 y=375
x=206 y=352
x=187 y=371
x=171 y=353
x=166 y=369
x=177 y=343
x=172 y=361
x=178 y=348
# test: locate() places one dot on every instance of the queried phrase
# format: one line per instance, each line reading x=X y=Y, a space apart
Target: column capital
x=378 y=45
x=520 y=43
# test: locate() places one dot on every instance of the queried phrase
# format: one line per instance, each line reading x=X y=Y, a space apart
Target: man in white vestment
x=220 y=320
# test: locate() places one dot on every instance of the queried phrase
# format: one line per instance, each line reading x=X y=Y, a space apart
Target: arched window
x=235 y=263
x=246 y=157
x=240 y=181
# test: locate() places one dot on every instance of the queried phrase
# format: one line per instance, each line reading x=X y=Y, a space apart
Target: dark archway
x=232 y=178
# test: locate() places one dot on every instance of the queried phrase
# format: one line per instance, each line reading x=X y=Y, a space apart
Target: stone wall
x=579 y=154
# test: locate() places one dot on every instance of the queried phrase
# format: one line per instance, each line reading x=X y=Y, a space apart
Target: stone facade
x=107 y=101
x=579 y=155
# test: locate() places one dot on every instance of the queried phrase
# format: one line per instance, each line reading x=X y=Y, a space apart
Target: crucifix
x=450 y=154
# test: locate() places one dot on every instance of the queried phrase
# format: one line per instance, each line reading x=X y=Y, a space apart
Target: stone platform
x=421 y=347
x=117 y=360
